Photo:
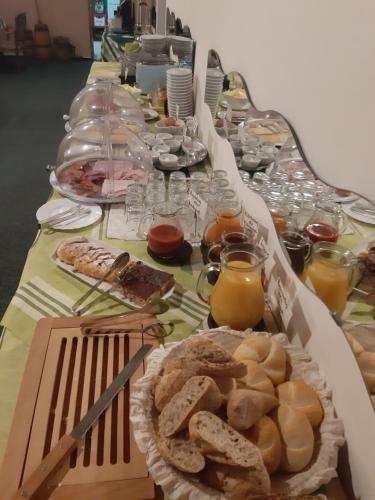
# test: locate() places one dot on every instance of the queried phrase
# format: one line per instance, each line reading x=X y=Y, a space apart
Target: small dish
x=153 y=141
x=164 y=136
x=161 y=149
x=162 y=126
x=145 y=136
x=174 y=145
x=55 y=207
x=168 y=160
x=250 y=161
x=182 y=138
x=150 y=114
x=155 y=156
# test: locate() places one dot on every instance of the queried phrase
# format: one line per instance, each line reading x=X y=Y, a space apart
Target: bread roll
x=366 y=361
x=266 y=436
x=169 y=384
x=256 y=378
x=297 y=438
x=354 y=344
x=213 y=359
x=267 y=352
x=226 y=385
x=246 y=406
x=198 y=393
x=182 y=453
x=301 y=396
x=221 y=443
x=235 y=482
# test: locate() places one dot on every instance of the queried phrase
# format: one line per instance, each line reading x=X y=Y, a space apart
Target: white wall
x=313 y=62
x=68 y=18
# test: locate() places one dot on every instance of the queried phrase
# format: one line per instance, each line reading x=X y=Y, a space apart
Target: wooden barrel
x=42 y=51
x=41 y=35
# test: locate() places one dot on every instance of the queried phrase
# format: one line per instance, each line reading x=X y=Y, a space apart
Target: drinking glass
x=134 y=206
x=156 y=176
x=220 y=184
x=219 y=174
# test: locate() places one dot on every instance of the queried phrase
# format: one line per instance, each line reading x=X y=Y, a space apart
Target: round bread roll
x=256 y=378
x=366 y=361
x=254 y=348
x=301 y=396
x=266 y=436
x=246 y=406
x=354 y=344
x=297 y=438
x=267 y=352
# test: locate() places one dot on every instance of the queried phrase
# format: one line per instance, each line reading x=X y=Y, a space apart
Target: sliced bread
x=170 y=384
x=182 y=453
x=237 y=483
x=221 y=443
x=198 y=393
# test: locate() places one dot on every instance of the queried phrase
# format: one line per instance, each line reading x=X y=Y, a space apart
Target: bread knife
x=38 y=485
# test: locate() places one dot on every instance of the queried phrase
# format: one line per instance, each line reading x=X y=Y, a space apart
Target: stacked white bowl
x=154 y=44
x=214 y=87
x=182 y=46
x=180 y=92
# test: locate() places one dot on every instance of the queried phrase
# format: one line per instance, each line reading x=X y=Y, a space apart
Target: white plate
x=152 y=114
x=368 y=219
x=346 y=199
x=105 y=286
x=55 y=207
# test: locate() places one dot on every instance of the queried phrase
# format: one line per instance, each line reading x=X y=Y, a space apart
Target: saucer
x=180 y=258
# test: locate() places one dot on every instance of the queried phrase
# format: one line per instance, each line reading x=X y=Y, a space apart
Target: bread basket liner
x=179 y=486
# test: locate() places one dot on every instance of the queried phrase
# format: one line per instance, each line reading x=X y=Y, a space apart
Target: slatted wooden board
x=66 y=372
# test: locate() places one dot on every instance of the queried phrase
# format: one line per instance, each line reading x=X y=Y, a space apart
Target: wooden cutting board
x=65 y=373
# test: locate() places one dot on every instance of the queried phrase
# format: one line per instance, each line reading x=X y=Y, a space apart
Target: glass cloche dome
x=98 y=159
x=267 y=127
x=103 y=98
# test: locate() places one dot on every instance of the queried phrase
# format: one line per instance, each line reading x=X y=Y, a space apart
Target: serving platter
x=361 y=217
x=104 y=287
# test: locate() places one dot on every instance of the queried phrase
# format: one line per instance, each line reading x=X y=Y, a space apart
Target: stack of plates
x=214 y=87
x=180 y=92
x=183 y=47
x=154 y=44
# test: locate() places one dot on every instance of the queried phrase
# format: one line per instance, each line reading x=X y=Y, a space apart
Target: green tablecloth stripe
x=50 y=297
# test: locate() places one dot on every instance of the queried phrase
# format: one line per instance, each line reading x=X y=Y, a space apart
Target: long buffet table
x=45 y=290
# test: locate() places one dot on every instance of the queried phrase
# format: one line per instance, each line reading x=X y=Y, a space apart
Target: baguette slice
x=170 y=384
x=198 y=393
x=182 y=453
x=237 y=483
x=221 y=443
x=213 y=359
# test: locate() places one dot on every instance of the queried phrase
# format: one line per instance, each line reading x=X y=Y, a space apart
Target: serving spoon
x=117 y=267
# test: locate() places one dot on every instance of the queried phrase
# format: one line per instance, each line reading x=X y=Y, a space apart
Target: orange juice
x=237 y=299
x=224 y=220
x=330 y=281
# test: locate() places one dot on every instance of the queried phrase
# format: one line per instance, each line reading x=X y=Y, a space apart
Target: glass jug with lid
x=326 y=223
x=163 y=230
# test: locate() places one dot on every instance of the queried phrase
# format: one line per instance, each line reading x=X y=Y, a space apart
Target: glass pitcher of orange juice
x=227 y=216
x=237 y=298
x=332 y=274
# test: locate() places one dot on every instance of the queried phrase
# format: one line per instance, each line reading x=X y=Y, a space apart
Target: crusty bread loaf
x=266 y=436
x=366 y=361
x=255 y=378
x=169 y=384
x=286 y=497
x=297 y=438
x=237 y=483
x=245 y=407
x=182 y=453
x=301 y=396
x=220 y=442
x=267 y=352
x=213 y=359
x=198 y=393
x=181 y=362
